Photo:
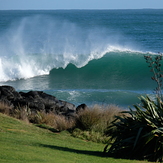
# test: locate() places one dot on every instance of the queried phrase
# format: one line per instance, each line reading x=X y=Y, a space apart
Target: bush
x=22 y=113
x=88 y=119
x=91 y=124
x=5 y=108
x=58 y=122
x=139 y=133
x=96 y=118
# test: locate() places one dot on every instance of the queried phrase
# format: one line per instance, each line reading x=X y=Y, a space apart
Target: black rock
x=81 y=107
x=36 y=101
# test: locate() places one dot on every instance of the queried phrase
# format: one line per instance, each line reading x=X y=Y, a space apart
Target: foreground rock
x=37 y=101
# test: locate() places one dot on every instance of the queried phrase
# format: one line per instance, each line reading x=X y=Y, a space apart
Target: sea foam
x=34 y=45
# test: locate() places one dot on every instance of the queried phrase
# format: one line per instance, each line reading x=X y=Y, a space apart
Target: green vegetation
x=139 y=133
x=92 y=124
x=23 y=143
x=154 y=63
x=57 y=122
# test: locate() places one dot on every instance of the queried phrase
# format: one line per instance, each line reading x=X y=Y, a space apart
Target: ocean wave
x=27 y=66
x=29 y=50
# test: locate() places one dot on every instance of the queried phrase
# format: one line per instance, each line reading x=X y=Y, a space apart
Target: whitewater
x=81 y=56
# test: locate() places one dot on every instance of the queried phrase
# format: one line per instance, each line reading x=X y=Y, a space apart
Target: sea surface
x=81 y=56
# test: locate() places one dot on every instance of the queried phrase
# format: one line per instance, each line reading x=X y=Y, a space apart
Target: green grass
x=25 y=143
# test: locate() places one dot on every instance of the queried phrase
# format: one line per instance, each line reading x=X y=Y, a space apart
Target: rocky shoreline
x=38 y=101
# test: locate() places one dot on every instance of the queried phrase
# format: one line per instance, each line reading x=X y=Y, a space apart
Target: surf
x=112 y=71
x=29 y=50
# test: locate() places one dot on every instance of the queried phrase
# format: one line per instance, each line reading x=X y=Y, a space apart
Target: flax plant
x=154 y=63
x=139 y=133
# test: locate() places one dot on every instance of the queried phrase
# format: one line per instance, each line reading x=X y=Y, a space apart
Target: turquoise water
x=81 y=56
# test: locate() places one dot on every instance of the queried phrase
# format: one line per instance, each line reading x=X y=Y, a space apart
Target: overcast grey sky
x=80 y=4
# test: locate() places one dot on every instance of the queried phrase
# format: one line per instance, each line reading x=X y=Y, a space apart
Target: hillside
x=23 y=143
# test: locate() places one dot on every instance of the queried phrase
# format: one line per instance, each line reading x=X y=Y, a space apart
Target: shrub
x=96 y=118
x=5 y=108
x=91 y=124
x=58 y=122
x=89 y=118
x=154 y=63
x=22 y=113
x=139 y=133
x=63 y=123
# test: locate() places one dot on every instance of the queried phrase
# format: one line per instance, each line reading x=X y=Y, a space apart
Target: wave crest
x=35 y=45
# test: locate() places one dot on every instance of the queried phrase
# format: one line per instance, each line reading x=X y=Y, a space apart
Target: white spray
x=35 y=45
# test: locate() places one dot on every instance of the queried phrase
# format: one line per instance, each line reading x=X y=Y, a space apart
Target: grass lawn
x=25 y=143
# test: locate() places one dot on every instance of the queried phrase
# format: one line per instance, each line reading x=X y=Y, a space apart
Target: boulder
x=81 y=107
x=35 y=100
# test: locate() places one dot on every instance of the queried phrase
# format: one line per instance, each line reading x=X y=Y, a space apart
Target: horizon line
x=89 y=9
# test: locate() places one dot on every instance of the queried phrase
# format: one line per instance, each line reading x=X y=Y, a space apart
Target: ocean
x=81 y=56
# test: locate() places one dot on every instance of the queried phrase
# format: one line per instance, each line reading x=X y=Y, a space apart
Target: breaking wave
x=35 y=45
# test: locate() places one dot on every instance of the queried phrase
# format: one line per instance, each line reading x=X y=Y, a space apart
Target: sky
x=79 y=4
